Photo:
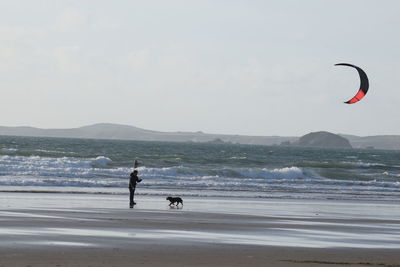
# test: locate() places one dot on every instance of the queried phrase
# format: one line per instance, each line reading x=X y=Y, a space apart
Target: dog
x=176 y=200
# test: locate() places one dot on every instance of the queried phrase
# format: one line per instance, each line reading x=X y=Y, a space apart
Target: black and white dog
x=176 y=200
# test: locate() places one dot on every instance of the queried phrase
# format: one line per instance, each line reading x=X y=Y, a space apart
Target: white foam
x=101 y=161
x=366 y=164
x=278 y=173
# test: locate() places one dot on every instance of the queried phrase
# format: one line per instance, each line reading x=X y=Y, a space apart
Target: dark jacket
x=133 y=180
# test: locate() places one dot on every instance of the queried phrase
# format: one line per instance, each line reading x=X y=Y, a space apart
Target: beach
x=65 y=202
x=57 y=229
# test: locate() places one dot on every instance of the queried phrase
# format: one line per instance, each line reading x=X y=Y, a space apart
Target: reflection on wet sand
x=220 y=221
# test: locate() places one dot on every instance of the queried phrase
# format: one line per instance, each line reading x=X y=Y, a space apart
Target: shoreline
x=162 y=192
x=40 y=229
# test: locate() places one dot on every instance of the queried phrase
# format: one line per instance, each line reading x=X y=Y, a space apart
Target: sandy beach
x=44 y=229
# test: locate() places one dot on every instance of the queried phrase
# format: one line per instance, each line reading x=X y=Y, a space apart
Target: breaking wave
x=86 y=174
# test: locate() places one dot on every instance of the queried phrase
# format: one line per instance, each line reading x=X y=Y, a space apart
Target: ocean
x=32 y=164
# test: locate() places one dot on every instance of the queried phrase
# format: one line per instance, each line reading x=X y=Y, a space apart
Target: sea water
x=31 y=164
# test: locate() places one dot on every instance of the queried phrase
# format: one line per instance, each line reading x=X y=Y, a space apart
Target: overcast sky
x=234 y=67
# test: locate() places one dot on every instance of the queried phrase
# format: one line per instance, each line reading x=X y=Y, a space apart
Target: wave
x=58 y=167
x=343 y=164
x=100 y=161
x=102 y=166
x=45 y=151
x=100 y=172
x=251 y=173
x=9 y=150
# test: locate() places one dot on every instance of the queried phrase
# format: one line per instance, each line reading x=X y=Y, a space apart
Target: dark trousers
x=131 y=195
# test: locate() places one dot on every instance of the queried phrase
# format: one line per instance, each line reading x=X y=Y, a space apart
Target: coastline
x=41 y=229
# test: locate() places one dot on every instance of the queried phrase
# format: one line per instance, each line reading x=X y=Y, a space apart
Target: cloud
x=138 y=59
x=18 y=48
x=71 y=20
x=68 y=59
x=6 y=52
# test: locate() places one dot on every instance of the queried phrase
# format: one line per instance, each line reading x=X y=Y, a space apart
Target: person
x=132 y=186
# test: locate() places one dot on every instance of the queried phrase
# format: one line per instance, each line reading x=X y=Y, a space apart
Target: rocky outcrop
x=323 y=139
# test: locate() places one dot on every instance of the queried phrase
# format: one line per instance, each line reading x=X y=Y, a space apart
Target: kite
x=364 y=84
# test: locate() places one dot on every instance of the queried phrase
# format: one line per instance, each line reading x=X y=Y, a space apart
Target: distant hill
x=125 y=132
x=323 y=139
x=377 y=141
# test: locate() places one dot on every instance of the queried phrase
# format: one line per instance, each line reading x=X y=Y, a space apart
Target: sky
x=228 y=67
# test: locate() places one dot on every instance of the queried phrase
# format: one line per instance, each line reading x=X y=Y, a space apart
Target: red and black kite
x=364 y=84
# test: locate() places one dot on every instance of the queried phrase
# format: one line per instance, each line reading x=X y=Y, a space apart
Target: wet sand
x=38 y=229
